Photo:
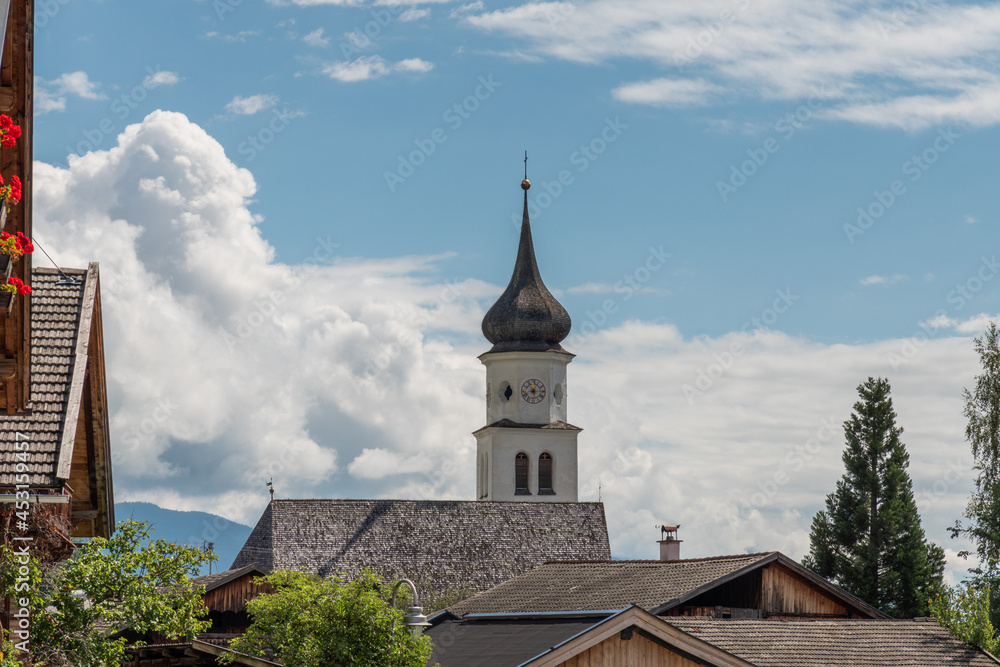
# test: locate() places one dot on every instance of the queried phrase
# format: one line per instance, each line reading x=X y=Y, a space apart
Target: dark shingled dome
x=526 y=317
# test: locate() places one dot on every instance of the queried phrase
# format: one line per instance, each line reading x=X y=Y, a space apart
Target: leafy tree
x=869 y=539
x=982 y=410
x=313 y=622
x=965 y=611
x=109 y=585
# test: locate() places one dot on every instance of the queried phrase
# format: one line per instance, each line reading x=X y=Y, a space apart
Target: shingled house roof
x=67 y=412
x=655 y=586
x=606 y=585
x=919 y=642
x=56 y=323
x=555 y=639
x=440 y=544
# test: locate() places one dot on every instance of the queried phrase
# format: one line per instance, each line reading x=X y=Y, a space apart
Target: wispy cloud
x=241 y=36
x=414 y=65
x=163 y=78
x=51 y=95
x=316 y=38
x=414 y=14
x=874 y=63
x=366 y=68
x=247 y=106
x=883 y=280
x=669 y=92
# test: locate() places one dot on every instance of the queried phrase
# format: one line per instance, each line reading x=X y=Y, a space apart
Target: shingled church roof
x=440 y=544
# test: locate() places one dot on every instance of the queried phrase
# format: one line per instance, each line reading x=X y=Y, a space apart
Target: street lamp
x=413 y=619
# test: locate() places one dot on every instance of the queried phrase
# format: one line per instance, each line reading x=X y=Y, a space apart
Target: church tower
x=527 y=451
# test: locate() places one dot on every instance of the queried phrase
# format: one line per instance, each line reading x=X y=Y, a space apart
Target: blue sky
x=739 y=137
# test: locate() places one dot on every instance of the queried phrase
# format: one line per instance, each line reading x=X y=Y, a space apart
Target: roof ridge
x=652 y=561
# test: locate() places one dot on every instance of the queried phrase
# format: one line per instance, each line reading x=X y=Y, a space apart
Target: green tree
x=982 y=430
x=309 y=621
x=869 y=539
x=109 y=585
x=965 y=611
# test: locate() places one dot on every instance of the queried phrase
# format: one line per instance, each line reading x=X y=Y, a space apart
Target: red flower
x=16 y=286
x=9 y=132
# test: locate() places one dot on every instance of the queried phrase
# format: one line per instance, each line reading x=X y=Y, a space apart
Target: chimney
x=670 y=546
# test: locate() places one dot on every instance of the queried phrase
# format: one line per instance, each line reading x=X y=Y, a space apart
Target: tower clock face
x=533 y=391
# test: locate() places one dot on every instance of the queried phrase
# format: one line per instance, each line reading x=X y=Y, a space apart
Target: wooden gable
x=636 y=638
x=776 y=588
x=89 y=475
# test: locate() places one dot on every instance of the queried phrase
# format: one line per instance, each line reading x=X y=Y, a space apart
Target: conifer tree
x=869 y=539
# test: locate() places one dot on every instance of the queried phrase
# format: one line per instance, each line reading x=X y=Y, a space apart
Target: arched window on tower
x=521 y=475
x=545 y=475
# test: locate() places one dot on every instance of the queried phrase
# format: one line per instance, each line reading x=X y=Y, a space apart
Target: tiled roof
x=56 y=311
x=837 y=643
x=440 y=544
x=604 y=585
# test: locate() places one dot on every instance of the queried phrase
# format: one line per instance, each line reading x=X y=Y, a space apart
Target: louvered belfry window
x=521 y=475
x=545 y=475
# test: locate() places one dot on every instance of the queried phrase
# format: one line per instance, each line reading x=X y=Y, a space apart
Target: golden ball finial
x=525 y=184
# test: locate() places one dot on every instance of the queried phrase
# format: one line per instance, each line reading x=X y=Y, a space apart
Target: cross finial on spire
x=525 y=184
x=525 y=165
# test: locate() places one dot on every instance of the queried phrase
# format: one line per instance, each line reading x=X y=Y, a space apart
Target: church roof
x=526 y=317
x=439 y=544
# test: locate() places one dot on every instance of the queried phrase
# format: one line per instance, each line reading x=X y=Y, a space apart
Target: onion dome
x=526 y=317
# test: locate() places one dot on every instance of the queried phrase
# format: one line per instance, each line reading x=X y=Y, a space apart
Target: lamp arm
x=395 y=588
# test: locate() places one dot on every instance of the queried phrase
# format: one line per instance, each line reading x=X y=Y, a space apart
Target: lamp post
x=413 y=619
